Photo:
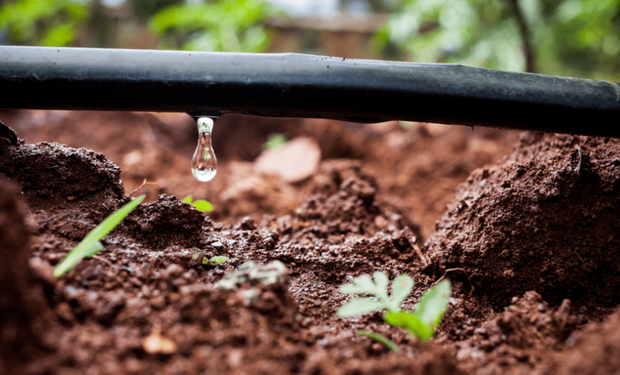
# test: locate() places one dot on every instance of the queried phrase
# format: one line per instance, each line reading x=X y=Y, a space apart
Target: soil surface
x=524 y=225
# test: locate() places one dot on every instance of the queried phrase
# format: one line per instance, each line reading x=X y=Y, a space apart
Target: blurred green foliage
x=46 y=23
x=219 y=25
x=275 y=140
x=568 y=37
x=148 y=8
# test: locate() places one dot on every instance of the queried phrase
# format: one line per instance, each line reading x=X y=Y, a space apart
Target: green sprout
x=275 y=140
x=211 y=262
x=200 y=204
x=422 y=323
x=90 y=245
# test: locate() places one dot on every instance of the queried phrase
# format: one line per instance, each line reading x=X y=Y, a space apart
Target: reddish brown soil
x=528 y=240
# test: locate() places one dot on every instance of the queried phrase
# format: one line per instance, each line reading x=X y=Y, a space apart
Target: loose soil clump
x=544 y=218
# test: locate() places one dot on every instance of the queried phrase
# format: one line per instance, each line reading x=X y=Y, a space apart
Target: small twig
x=425 y=260
x=144 y=183
x=456 y=269
x=97 y=257
x=583 y=264
x=308 y=299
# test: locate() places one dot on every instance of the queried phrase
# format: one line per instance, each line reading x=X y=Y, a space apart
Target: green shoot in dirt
x=200 y=204
x=90 y=245
x=421 y=323
x=211 y=262
x=401 y=287
x=275 y=140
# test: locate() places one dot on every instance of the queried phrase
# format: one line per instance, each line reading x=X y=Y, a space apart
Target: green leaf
x=59 y=36
x=94 y=249
x=433 y=304
x=380 y=338
x=275 y=140
x=381 y=280
x=409 y=322
x=202 y=205
x=359 y=306
x=401 y=287
x=217 y=260
x=85 y=247
x=361 y=285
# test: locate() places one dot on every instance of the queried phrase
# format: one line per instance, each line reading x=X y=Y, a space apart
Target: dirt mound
x=344 y=201
x=516 y=341
x=164 y=222
x=545 y=218
x=596 y=350
x=23 y=311
x=56 y=172
x=15 y=311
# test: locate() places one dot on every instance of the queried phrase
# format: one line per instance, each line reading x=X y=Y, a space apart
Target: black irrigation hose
x=293 y=85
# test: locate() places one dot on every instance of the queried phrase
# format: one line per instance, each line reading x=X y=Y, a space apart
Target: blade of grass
x=94 y=249
x=381 y=339
x=85 y=248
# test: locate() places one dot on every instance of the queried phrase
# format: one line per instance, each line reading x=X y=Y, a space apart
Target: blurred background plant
x=224 y=25
x=47 y=23
x=561 y=37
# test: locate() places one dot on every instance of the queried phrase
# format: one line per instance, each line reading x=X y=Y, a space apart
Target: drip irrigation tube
x=294 y=85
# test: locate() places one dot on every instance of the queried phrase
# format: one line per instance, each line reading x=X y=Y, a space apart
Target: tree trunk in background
x=526 y=38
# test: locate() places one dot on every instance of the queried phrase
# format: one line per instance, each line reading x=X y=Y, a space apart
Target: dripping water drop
x=204 y=163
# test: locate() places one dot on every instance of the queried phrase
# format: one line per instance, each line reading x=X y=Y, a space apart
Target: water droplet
x=204 y=163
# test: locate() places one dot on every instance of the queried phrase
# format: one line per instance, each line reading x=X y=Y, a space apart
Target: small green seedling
x=200 y=204
x=275 y=140
x=401 y=287
x=211 y=262
x=421 y=323
x=90 y=245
